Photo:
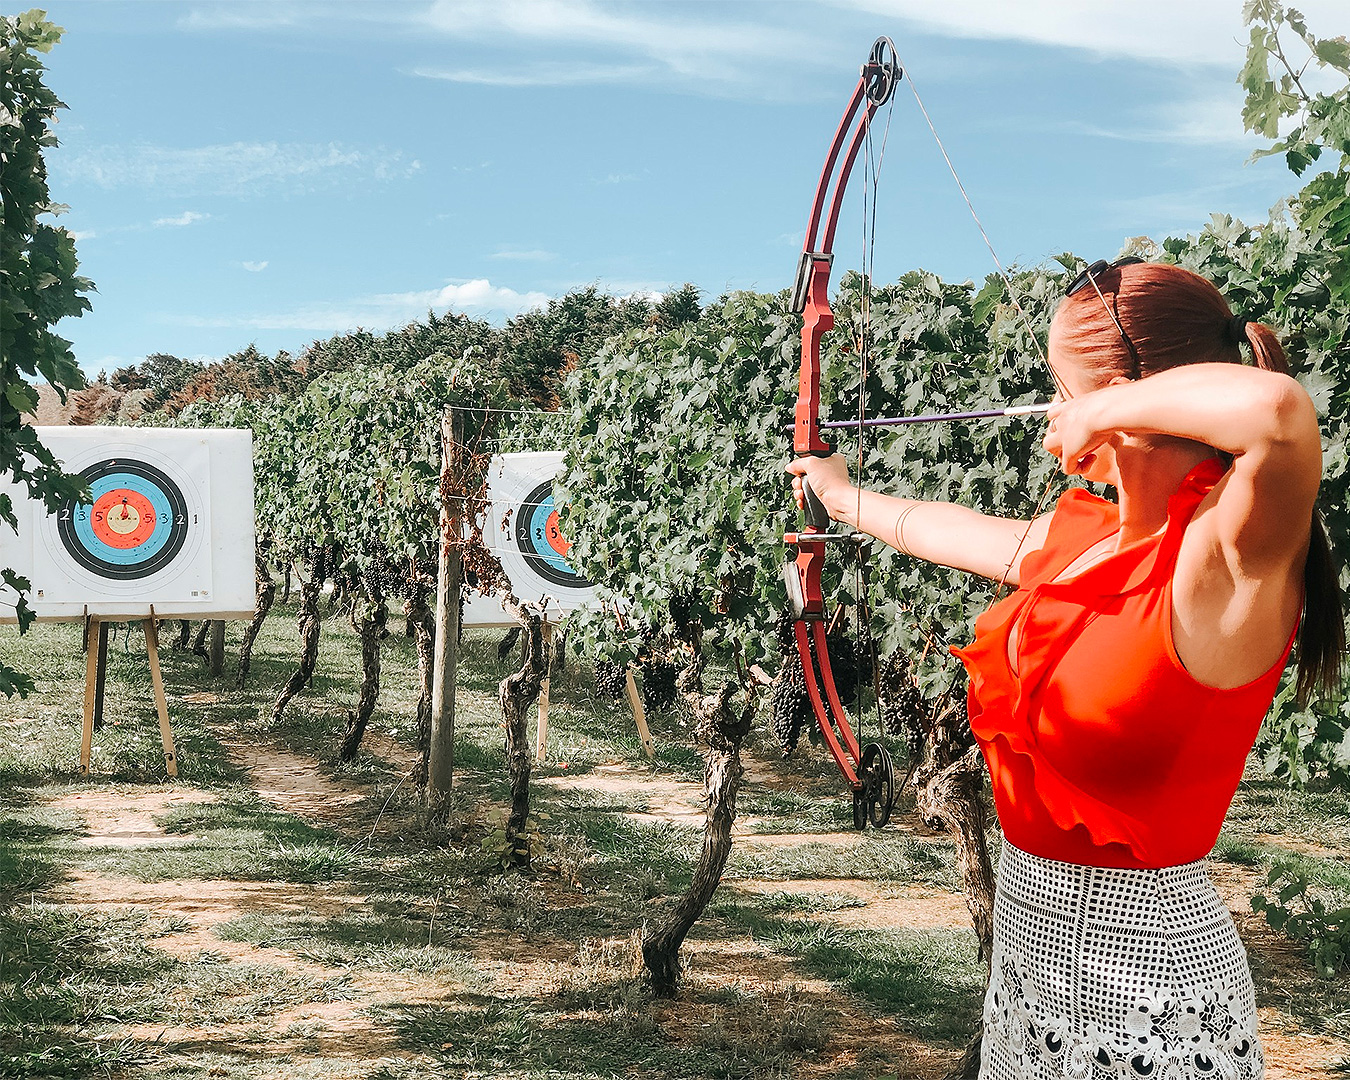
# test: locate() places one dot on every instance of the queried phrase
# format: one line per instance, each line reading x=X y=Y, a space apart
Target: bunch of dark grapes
x=865 y=653
x=380 y=580
x=782 y=629
x=904 y=712
x=610 y=679
x=658 y=684
x=790 y=704
x=843 y=651
x=324 y=567
x=957 y=722
x=681 y=606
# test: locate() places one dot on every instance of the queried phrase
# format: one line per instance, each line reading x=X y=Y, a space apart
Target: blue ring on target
x=536 y=539
x=152 y=546
x=160 y=548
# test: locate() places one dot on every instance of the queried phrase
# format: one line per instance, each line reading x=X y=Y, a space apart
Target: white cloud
x=653 y=39
x=1170 y=213
x=525 y=256
x=254 y=267
x=383 y=310
x=240 y=17
x=187 y=217
x=229 y=169
x=479 y=295
x=542 y=74
x=1177 y=31
x=77 y=235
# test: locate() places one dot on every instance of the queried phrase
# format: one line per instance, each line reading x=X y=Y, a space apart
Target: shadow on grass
x=929 y=981
x=60 y=969
x=626 y=1038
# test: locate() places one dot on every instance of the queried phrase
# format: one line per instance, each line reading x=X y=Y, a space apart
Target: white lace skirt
x=1109 y=974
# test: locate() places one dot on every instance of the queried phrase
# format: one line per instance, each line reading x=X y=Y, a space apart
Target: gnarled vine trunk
x=519 y=692
x=266 y=593
x=184 y=638
x=368 y=617
x=309 y=636
x=199 y=642
x=723 y=730
x=949 y=795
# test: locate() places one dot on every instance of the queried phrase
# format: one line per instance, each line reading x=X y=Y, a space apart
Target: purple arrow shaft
x=894 y=421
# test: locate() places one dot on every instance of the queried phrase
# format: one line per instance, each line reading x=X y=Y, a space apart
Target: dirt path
x=337 y=1039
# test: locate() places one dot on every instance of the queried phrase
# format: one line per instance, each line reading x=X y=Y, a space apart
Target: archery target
x=522 y=529
x=169 y=526
x=144 y=534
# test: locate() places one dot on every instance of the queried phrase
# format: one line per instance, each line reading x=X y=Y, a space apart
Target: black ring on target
x=533 y=538
x=158 y=483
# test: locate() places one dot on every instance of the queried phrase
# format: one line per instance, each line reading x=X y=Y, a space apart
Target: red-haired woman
x=1117 y=693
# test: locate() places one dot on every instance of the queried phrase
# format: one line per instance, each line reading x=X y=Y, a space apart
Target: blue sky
x=274 y=172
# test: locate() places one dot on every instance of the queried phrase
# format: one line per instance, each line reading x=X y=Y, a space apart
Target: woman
x=1117 y=693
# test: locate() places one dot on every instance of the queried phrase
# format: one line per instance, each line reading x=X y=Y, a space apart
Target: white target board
x=170 y=525
x=522 y=530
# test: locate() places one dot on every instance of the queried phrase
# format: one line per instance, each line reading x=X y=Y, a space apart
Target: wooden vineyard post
x=639 y=716
x=91 y=691
x=441 y=749
x=161 y=702
x=547 y=629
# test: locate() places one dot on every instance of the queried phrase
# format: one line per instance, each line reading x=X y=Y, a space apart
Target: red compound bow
x=867 y=769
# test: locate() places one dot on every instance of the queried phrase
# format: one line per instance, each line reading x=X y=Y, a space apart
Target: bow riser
x=817 y=321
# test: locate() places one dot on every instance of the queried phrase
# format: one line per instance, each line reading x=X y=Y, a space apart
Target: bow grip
x=817 y=517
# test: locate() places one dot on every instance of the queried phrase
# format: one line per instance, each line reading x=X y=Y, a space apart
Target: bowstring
x=872 y=162
x=1011 y=293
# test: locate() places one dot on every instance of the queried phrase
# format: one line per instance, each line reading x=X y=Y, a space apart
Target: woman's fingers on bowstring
x=1067 y=440
x=1074 y=445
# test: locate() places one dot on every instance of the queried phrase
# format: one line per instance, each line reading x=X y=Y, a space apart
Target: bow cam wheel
x=877 y=795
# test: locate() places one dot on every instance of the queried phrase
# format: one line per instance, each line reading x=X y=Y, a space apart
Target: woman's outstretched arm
x=937 y=532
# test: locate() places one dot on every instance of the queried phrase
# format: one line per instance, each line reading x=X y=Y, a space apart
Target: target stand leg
x=93 y=689
x=639 y=716
x=102 y=674
x=161 y=702
x=541 y=752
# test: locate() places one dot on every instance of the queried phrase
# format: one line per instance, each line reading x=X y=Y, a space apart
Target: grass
x=439 y=964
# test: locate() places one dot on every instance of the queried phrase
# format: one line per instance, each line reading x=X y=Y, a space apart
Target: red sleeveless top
x=1102 y=749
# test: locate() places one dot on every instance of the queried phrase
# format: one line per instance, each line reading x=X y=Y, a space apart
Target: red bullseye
x=122 y=518
x=556 y=540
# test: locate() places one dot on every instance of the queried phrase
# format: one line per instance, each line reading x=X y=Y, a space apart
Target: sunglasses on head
x=1095 y=270
x=1089 y=276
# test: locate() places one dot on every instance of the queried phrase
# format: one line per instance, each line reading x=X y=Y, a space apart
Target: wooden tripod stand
x=96 y=671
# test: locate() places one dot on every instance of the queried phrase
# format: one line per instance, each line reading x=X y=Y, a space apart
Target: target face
x=522 y=530
x=541 y=540
x=137 y=525
x=146 y=534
